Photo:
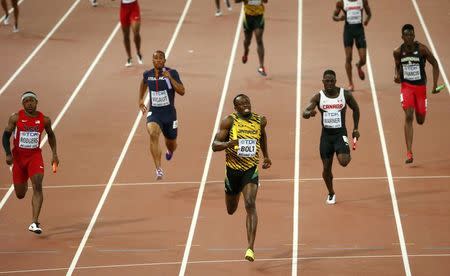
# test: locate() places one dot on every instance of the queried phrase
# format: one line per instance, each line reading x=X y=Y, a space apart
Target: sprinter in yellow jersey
x=254 y=23
x=241 y=135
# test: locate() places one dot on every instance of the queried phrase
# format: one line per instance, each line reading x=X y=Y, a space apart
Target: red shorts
x=414 y=96
x=129 y=13
x=25 y=165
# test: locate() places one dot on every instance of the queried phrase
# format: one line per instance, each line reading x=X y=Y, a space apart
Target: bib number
x=160 y=98
x=254 y=2
x=411 y=72
x=247 y=148
x=29 y=140
x=332 y=120
x=354 y=16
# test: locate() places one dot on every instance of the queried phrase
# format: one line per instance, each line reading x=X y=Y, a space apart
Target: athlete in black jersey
x=353 y=33
x=409 y=70
x=332 y=103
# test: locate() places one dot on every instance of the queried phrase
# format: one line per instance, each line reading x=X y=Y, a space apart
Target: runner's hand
x=266 y=163
x=9 y=159
x=232 y=143
x=355 y=133
x=142 y=107
x=166 y=74
x=55 y=159
x=397 y=79
x=309 y=113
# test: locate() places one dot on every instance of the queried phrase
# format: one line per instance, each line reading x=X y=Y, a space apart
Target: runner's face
x=408 y=37
x=329 y=82
x=158 y=60
x=243 y=106
x=29 y=104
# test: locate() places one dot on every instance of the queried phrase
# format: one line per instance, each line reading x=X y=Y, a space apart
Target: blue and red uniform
x=27 y=157
x=162 y=102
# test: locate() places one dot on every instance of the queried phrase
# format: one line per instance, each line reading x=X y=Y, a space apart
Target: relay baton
x=354 y=143
x=438 y=89
x=54 y=167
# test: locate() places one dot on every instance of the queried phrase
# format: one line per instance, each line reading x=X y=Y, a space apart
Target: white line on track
x=47 y=37
x=387 y=166
x=277 y=180
x=10 y=12
x=122 y=154
x=71 y=99
x=297 y=141
x=209 y=155
x=430 y=42
x=259 y=260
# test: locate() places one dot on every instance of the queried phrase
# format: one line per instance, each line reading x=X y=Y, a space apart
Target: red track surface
x=143 y=226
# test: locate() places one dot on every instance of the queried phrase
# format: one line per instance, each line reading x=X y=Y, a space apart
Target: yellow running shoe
x=250 y=255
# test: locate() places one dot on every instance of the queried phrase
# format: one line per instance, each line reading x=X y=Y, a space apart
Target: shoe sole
x=36 y=231
x=249 y=258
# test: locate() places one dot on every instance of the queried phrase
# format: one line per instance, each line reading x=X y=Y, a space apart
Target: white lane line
x=71 y=99
x=278 y=180
x=259 y=260
x=47 y=37
x=209 y=155
x=387 y=166
x=298 y=93
x=122 y=154
x=430 y=42
x=10 y=12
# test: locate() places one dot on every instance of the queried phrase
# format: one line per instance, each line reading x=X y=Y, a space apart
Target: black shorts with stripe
x=236 y=180
x=333 y=143
x=253 y=22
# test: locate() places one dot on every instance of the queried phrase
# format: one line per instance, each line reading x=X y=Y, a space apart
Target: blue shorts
x=167 y=122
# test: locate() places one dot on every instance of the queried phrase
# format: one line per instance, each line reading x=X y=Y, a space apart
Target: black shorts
x=167 y=122
x=333 y=143
x=252 y=22
x=354 y=33
x=236 y=180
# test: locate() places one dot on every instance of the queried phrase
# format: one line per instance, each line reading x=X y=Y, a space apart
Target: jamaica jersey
x=248 y=133
x=254 y=7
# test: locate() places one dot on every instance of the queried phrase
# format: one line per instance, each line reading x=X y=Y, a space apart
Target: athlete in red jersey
x=26 y=157
x=130 y=15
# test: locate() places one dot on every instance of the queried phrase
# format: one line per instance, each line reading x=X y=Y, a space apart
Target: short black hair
x=329 y=72
x=237 y=96
x=407 y=27
x=160 y=52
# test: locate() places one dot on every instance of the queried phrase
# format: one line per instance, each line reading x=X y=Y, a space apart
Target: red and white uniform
x=26 y=152
x=129 y=12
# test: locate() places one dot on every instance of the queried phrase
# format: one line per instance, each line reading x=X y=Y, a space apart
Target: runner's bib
x=332 y=120
x=29 y=139
x=254 y=2
x=247 y=148
x=160 y=98
x=411 y=72
x=354 y=16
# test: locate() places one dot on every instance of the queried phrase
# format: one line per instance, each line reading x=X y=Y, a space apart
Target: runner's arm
x=142 y=88
x=51 y=139
x=267 y=162
x=355 y=108
x=221 y=141
x=432 y=60
x=177 y=85
x=397 y=65
x=310 y=110
x=337 y=11
x=12 y=121
x=368 y=12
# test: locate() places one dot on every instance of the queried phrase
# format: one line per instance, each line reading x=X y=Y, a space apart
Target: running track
x=390 y=219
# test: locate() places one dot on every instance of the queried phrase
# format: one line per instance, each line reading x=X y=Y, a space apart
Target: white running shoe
x=331 y=199
x=94 y=3
x=129 y=63
x=218 y=13
x=227 y=3
x=15 y=29
x=35 y=228
x=159 y=174
x=6 y=21
x=139 y=59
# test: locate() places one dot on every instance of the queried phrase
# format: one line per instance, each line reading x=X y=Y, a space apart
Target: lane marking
x=209 y=155
x=131 y=184
x=430 y=42
x=260 y=260
x=69 y=102
x=298 y=93
x=387 y=166
x=123 y=153
x=30 y=57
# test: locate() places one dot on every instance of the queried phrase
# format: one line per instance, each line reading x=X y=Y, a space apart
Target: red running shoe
x=361 y=74
x=409 y=158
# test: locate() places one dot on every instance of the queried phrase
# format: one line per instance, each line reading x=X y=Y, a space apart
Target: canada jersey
x=412 y=66
x=333 y=112
x=353 y=12
x=27 y=134
x=248 y=133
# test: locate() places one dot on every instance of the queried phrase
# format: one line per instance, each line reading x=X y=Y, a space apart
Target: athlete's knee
x=420 y=119
x=409 y=115
x=154 y=135
x=344 y=159
x=250 y=205
x=231 y=208
x=20 y=195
